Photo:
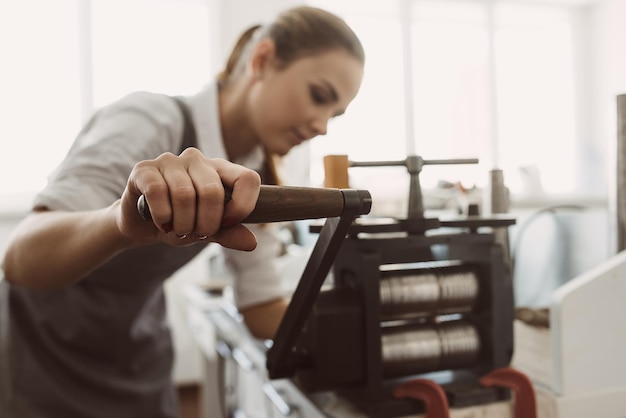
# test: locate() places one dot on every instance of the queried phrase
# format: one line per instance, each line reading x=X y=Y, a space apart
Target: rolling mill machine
x=384 y=303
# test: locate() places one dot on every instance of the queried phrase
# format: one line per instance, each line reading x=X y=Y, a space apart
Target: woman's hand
x=186 y=198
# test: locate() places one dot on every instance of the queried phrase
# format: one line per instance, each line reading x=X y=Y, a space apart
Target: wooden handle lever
x=290 y=203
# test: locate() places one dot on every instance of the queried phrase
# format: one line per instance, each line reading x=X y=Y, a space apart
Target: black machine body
x=381 y=303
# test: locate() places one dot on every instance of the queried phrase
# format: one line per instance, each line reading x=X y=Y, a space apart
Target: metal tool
x=408 y=298
x=336 y=166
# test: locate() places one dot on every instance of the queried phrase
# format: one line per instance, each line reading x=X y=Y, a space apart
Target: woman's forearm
x=52 y=249
x=57 y=248
x=263 y=320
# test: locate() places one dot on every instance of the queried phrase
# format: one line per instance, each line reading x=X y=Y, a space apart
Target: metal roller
x=428 y=348
x=428 y=294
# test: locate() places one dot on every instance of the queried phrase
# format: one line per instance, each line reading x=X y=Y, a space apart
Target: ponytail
x=296 y=32
x=237 y=53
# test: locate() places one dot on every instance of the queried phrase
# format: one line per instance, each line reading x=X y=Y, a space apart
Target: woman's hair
x=297 y=32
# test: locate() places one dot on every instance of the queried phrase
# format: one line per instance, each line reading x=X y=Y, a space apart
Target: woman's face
x=293 y=104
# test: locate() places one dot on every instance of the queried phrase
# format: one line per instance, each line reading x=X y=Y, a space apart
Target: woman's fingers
x=237 y=237
x=186 y=198
x=182 y=198
x=245 y=185
x=210 y=196
x=147 y=179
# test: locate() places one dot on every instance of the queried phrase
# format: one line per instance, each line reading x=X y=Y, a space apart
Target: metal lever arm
x=281 y=357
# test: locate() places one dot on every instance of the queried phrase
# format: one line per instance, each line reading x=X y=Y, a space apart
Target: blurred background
x=525 y=86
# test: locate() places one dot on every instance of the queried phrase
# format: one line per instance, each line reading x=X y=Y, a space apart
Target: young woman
x=84 y=272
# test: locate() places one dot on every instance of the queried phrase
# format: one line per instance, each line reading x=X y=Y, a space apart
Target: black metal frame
x=331 y=339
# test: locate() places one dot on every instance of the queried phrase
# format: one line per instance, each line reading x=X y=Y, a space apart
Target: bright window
x=536 y=96
x=39 y=85
x=62 y=59
x=152 y=45
x=429 y=87
x=360 y=133
x=493 y=80
x=451 y=94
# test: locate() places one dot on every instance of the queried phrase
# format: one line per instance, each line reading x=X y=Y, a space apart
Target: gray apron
x=106 y=335
x=100 y=348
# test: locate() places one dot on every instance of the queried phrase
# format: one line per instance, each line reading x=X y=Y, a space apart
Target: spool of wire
x=427 y=348
x=429 y=293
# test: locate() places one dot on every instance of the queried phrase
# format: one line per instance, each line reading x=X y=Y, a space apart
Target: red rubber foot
x=427 y=391
x=520 y=384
